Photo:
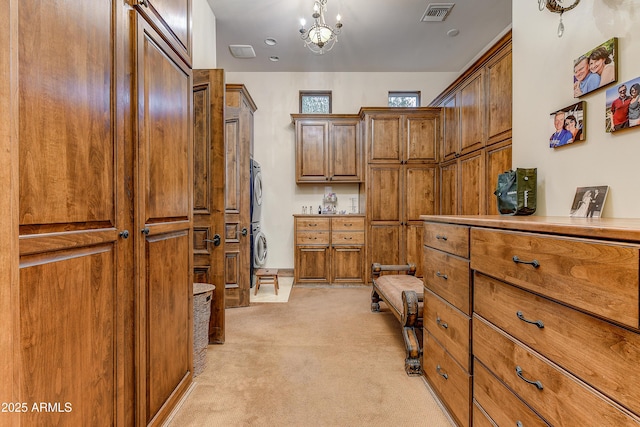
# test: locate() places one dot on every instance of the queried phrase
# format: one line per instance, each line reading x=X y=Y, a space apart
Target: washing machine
x=258 y=246
x=256 y=191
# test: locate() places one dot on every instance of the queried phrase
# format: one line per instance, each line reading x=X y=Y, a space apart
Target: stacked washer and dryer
x=258 y=239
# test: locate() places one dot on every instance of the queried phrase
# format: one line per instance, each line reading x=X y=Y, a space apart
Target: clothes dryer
x=258 y=246
x=256 y=191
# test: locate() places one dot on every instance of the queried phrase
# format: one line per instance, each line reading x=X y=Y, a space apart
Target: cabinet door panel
x=422 y=137
x=312 y=145
x=498 y=161
x=451 y=114
x=384 y=189
x=173 y=19
x=413 y=244
x=348 y=263
x=345 y=157
x=472 y=184
x=385 y=138
x=312 y=264
x=420 y=192
x=472 y=114
x=499 y=101
x=449 y=189
x=385 y=244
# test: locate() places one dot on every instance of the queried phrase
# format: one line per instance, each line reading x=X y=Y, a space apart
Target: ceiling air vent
x=437 y=12
x=242 y=51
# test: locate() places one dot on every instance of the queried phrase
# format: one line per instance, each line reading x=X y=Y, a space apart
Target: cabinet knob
x=124 y=234
x=145 y=231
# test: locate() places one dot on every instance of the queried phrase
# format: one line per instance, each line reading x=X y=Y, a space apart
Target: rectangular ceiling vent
x=437 y=12
x=242 y=51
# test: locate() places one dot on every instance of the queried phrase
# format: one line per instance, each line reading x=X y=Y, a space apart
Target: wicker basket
x=202 y=294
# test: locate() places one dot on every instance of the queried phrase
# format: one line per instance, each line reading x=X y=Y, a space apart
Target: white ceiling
x=377 y=36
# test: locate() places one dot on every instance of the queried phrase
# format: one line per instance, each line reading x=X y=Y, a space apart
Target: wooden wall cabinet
x=238 y=133
x=329 y=249
x=476 y=146
x=401 y=182
x=99 y=183
x=328 y=148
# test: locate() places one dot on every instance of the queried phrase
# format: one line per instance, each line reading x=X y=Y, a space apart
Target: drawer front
x=450 y=381
x=504 y=407
x=597 y=277
x=312 y=238
x=453 y=239
x=449 y=277
x=449 y=326
x=347 y=237
x=347 y=224
x=600 y=353
x=312 y=224
x=559 y=398
x=480 y=419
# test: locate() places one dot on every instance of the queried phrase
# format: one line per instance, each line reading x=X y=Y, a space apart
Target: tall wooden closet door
x=71 y=305
x=163 y=223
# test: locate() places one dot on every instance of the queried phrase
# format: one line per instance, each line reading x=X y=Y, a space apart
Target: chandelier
x=320 y=37
x=558 y=6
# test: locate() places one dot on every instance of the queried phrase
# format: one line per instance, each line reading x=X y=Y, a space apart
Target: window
x=404 y=99
x=315 y=101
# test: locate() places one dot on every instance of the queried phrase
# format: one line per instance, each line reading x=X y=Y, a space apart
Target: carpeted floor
x=322 y=359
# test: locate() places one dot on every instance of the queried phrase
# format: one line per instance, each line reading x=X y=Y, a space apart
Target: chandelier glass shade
x=320 y=37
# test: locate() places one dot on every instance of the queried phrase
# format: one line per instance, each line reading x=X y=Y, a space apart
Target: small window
x=404 y=99
x=315 y=101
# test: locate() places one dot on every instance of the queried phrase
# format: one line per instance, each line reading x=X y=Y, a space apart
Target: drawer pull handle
x=348 y=238
x=444 y=276
x=439 y=237
x=313 y=225
x=534 y=263
x=442 y=374
x=348 y=225
x=441 y=323
x=519 y=424
x=538 y=384
x=538 y=323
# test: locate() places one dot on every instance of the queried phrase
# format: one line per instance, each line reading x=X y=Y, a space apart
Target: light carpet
x=323 y=359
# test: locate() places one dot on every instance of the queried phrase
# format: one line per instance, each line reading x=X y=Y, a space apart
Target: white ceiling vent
x=242 y=51
x=437 y=12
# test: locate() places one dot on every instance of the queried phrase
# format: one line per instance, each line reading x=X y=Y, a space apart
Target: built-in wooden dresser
x=553 y=314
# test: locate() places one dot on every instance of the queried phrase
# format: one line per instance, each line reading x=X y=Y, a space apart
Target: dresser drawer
x=451 y=382
x=347 y=224
x=449 y=277
x=480 y=418
x=312 y=238
x=453 y=239
x=347 y=237
x=558 y=397
x=312 y=224
x=600 y=353
x=502 y=406
x=449 y=326
x=597 y=277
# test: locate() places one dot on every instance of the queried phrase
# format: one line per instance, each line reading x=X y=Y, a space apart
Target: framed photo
x=623 y=106
x=596 y=68
x=589 y=201
x=568 y=125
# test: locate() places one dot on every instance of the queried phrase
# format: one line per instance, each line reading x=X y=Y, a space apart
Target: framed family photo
x=623 y=106
x=568 y=125
x=596 y=68
x=589 y=202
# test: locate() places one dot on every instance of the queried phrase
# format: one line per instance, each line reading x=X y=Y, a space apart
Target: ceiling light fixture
x=558 y=6
x=320 y=37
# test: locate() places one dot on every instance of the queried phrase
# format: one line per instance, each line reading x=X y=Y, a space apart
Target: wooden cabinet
x=329 y=250
x=555 y=317
x=476 y=147
x=209 y=169
x=401 y=182
x=99 y=186
x=238 y=133
x=328 y=148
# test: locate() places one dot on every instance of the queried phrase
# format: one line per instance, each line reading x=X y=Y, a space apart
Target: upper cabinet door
x=451 y=114
x=345 y=152
x=312 y=145
x=384 y=137
x=422 y=136
x=472 y=108
x=173 y=19
x=499 y=102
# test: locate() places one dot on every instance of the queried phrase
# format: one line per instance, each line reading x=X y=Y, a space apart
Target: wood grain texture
x=499 y=95
x=449 y=277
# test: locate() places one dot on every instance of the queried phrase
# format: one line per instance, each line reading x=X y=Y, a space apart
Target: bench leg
x=412 y=361
x=375 y=300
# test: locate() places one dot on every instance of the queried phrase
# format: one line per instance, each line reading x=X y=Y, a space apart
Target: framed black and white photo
x=589 y=201
x=596 y=68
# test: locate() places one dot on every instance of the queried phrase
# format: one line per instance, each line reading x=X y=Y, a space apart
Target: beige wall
x=276 y=96
x=204 y=35
x=542 y=83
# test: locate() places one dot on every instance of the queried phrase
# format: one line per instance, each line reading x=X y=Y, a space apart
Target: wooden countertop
x=622 y=229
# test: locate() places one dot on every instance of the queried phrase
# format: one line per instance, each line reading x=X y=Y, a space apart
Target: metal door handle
x=216 y=240
x=244 y=231
x=145 y=231
x=443 y=374
x=444 y=276
x=533 y=263
x=124 y=234
x=441 y=323
x=538 y=323
x=538 y=384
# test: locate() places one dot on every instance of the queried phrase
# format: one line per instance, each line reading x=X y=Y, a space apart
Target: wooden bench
x=404 y=294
